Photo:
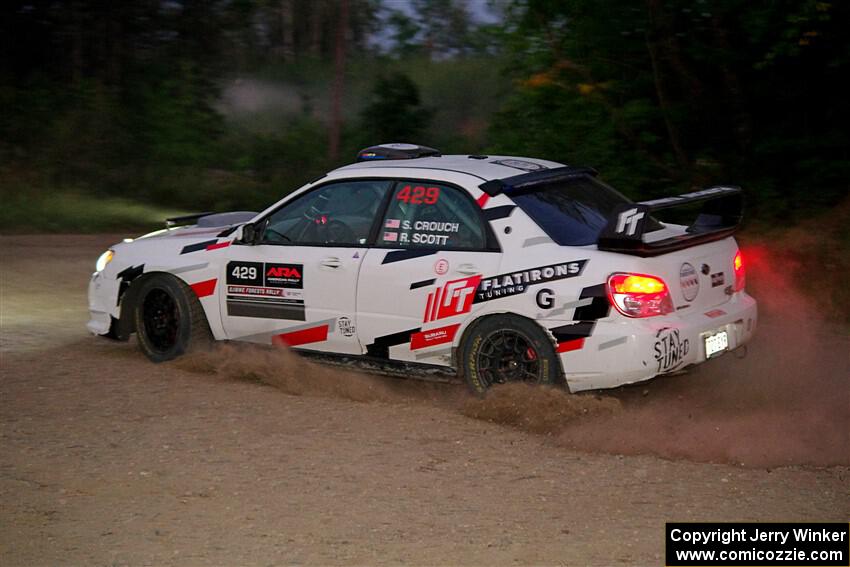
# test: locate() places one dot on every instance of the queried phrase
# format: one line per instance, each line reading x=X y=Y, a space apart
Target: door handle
x=332 y=262
x=468 y=269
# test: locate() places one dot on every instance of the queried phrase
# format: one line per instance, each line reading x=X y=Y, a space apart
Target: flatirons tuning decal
x=456 y=297
x=453 y=298
x=265 y=290
x=515 y=283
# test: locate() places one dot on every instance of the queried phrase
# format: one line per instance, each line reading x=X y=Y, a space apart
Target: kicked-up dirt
x=254 y=456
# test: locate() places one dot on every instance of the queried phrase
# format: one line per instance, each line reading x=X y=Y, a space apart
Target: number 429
x=419 y=195
x=244 y=272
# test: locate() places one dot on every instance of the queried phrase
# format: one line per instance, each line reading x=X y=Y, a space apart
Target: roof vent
x=396 y=151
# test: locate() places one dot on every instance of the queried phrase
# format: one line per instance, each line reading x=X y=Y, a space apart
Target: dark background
x=115 y=114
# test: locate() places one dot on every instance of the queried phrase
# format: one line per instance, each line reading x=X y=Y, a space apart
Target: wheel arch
x=128 y=297
x=470 y=326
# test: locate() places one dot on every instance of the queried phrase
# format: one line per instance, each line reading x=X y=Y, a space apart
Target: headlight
x=104 y=259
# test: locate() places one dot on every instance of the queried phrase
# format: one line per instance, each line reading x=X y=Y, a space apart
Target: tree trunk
x=317 y=14
x=743 y=127
x=661 y=90
x=335 y=130
x=76 y=44
x=287 y=33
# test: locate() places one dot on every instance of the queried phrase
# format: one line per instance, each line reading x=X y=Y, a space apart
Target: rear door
x=418 y=283
x=298 y=285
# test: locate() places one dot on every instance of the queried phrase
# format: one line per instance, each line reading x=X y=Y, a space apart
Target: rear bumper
x=623 y=351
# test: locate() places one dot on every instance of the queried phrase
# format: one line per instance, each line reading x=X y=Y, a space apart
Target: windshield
x=572 y=212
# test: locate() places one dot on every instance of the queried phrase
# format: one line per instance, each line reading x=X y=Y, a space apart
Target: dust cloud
x=537 y=409
x=288 y=372
x=786 y=403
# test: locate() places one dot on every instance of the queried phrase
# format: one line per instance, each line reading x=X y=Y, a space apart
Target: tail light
x=740 y=274
x=639 y=295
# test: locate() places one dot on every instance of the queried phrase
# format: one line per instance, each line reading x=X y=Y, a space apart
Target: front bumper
x=103 y=303
x=623 y=351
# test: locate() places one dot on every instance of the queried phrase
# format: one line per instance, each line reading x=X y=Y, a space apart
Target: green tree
x=394 y=113
x=670 y=94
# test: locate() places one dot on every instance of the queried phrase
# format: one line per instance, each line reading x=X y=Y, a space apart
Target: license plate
x=716 y=343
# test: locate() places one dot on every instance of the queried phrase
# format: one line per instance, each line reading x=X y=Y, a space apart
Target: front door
x=298 y=285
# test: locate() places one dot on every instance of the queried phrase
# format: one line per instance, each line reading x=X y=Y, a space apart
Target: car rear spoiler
x=720 y=217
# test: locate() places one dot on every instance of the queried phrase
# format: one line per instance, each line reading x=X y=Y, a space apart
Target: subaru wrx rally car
x=501 y=268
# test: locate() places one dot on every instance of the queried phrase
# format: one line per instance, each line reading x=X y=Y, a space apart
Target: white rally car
x=502 y=268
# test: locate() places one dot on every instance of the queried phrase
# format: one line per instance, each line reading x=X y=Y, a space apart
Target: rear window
x=572 y=212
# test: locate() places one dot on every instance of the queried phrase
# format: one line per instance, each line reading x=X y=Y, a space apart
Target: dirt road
x=253 y=457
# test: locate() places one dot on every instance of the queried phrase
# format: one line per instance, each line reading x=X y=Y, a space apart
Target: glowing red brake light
x=740 y=275
x=639 y=295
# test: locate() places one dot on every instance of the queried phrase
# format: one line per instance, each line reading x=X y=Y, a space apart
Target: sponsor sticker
x=441 y=267
x=285 y=275
x=346 y=326
x=432 y=337
x=718 y=279
x=688 y=281
x=453 y=298
x=515 y=283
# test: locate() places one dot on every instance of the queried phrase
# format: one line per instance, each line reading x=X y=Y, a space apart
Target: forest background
x=116 y=114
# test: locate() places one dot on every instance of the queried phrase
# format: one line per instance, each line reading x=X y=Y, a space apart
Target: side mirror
x=250 y=234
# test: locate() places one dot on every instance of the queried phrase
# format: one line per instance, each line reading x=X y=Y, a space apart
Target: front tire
x=505 y=348
x=169 y=318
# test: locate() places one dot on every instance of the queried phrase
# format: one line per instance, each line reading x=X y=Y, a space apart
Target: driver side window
x=334 y=214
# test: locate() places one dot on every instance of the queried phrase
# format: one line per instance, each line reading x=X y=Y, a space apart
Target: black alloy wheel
x=161 y=319
x=169 y=318
x=508 y=356
x=499 y=349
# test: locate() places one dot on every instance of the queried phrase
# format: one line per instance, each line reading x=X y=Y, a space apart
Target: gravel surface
x=248 y=456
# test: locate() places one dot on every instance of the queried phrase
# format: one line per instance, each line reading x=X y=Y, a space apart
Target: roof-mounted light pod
x=396 y=151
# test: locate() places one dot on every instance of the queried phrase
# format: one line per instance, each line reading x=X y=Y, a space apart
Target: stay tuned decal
x=670 y=349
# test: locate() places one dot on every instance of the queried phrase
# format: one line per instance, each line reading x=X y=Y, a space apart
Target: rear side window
x=571 y=212
x=429 y=215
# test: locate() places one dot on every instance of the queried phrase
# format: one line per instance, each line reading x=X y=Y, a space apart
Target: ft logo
x=627 y=221
x=454 y=298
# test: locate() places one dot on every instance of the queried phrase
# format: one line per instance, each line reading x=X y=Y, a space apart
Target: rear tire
x=506 y=348
x=169 y=318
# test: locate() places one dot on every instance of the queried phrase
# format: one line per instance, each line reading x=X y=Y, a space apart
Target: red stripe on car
x=302 y=337
x=433 y=337
x=204 y=288
x=482 y=200
x=224 y=244
x=574 y=344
